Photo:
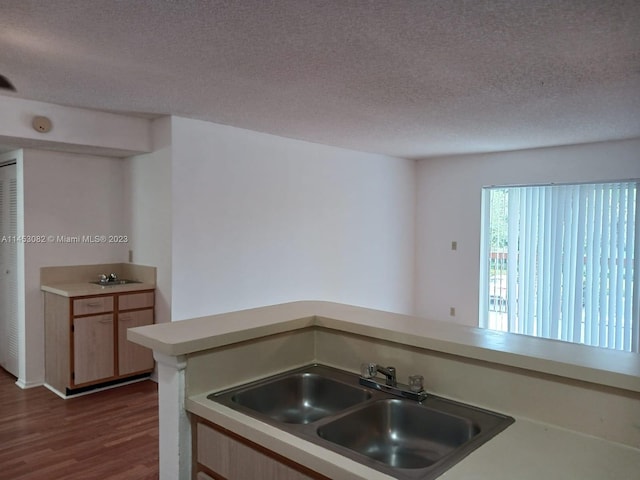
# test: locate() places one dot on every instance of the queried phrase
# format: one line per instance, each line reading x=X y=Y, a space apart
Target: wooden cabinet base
x=86 y=344
x=223 y=455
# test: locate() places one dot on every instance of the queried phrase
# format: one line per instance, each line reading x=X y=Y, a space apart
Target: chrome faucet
x=413 y=391
x=104 y=279
x=389 y=373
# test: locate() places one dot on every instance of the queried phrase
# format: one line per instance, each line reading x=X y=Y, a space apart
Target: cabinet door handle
x=94 y=304
x=125 y=319
x=105 y=320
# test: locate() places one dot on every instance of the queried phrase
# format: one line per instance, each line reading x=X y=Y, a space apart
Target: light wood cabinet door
x=93 y=351
x=133 y=358
x=235 y=460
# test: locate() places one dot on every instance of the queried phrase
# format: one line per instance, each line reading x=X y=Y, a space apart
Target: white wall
x=65 y=194
x=148 y=196
x=260 y=219
x=449 y=194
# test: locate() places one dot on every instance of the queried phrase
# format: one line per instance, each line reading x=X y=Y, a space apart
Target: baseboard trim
x=96 y=389
x=57 y=392
x=25 y=385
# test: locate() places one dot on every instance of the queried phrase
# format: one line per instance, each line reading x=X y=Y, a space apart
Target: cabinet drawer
x=130 y=301
x=88 y=306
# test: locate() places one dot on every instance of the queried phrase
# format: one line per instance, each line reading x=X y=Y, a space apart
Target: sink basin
x=400 y=434
x=300 y=398
x=402 y=438
x=113 y=283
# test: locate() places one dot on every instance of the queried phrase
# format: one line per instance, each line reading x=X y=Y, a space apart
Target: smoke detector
x=42 y=124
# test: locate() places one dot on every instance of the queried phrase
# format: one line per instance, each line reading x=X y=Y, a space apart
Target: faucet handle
x=368 y=370
x=416 y=383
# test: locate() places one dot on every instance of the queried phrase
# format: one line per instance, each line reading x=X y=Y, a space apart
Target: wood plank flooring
x=109 y=435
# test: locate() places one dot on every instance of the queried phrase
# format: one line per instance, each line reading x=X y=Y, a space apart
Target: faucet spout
x=389 y=373
x=414 y=391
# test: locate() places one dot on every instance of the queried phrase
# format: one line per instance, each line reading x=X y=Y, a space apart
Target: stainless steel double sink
x=402 y=438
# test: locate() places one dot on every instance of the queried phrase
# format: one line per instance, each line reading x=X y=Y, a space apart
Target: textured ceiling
x=406 y=78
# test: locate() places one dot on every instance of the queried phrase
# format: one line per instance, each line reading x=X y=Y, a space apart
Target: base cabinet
x=223 y=455
x=86 y=339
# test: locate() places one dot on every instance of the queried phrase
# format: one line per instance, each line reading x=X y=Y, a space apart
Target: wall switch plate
x=454 y=245
x=452 y=311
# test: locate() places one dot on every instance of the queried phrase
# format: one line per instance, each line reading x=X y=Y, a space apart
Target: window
x=562 y=262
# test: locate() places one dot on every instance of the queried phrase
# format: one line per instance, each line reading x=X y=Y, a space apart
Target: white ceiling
x=405 y=78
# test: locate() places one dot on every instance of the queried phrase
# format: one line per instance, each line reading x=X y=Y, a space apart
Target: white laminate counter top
x=526 y=450
x=83 y=289
x=579 y=362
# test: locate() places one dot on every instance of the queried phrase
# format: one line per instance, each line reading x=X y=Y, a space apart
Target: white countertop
x=526 y=450
x=82 y=289
x=530 y=450
x=580 y=362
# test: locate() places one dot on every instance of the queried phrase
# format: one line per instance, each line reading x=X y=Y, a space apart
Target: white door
x=8 y=269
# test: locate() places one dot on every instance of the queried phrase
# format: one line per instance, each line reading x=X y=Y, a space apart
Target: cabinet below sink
x=401 y=438
x=86 y=344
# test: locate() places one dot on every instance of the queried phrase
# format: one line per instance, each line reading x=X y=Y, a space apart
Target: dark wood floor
x=106 y=435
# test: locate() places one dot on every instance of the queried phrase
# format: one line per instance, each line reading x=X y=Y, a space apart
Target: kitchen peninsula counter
x=576 y=407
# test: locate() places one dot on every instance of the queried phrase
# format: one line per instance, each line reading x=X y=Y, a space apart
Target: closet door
x=8 y=269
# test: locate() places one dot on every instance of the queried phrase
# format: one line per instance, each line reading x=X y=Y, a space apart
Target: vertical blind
x=562 y=263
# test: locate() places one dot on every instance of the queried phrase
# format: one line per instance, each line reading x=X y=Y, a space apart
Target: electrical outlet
x=452 y=311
